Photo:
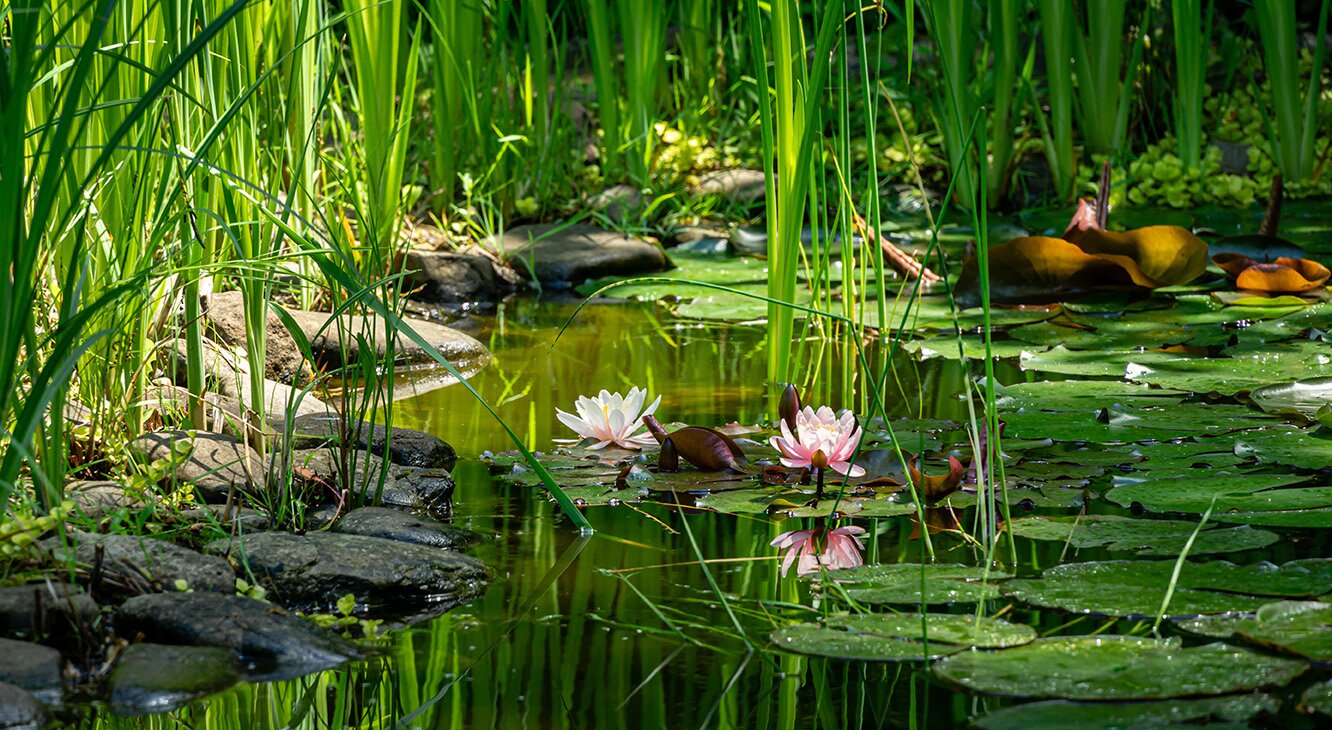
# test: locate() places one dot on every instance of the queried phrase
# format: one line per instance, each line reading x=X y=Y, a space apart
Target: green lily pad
x=1062 y=714
x=1303 y=448
x=731 y=306
x=1301 y=396
x=1302 y=628
x=1126 y=423
x=1079 y=395
x=1292 y=325
x=1316 y=518
x=933 y=312
x=1231 y=492
x=1243 y=369
x=691 y=266
x=1115 y=668
x=1148 y=538
x=1318 y=699
x=973 y=348
x=902 y=583
x=899 y=637
x=1136 y=588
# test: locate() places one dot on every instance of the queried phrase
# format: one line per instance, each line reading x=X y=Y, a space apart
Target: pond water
x=624 y=629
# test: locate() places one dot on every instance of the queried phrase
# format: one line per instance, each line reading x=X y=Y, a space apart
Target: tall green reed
x=1296 y=120
x=1192 y=35
x=1057 y=28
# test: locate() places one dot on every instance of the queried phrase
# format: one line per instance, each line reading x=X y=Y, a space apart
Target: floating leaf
x=1306 y=449
x=1317 y=517
x=935 y=488
x=1115 y=668
x=1136 y=588
x=1302 y=628
x=706 y=448
x=1318 y=699
x=1160 y=255
x=1283 y=276
x=1145 y=537
x=1063 y=714
x=1301 y=396
x=1231 y=492
x=903 y=583
x=1040 y=269
x=899 y=637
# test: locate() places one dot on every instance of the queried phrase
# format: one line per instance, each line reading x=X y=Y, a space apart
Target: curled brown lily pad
x=1283 y=276
x=706 y=448
x=935 y=488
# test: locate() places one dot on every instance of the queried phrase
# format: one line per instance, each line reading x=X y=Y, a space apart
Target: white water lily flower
x=611 y=418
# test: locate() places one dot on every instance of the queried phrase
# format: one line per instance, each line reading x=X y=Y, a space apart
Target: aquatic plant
x=819 y=548
x=706 y=448
x=611 y=418
x=1283 y=276
x=821 y=440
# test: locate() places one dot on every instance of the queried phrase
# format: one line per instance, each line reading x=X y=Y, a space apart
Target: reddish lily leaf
x=1041 y=269
x=706 y=448
x=1155 y=256
x=936 y=488
x=937 y=519
x=1283 y=276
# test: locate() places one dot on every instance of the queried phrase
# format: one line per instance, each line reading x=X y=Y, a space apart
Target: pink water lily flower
x=820 y=548
x=611 y=418
x=821 y=440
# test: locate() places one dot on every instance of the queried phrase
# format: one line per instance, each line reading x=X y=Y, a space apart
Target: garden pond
x=1134 y=431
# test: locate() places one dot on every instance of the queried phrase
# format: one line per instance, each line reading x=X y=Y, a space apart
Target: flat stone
x=566 y=255
x=617 y=201
x=152 y=678
x=283 y=360
x=132 y=565
x=740 y=186
x=393 y=524
x=96 y=499
x=270 y=644
x=19 y=710
x=46 y=609
x=315 y=569
x=32 y=667
x=464 y=352
x=407 y=447
x=449 y=277
x=423 y=490
x=242 y=519
x=215 y=463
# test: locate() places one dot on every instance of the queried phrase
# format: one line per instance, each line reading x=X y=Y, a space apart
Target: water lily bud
x=819 y=460
x=789 y=406
x=669 y=459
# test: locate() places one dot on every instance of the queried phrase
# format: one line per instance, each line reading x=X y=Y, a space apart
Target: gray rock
x=44 y=609
x=464 y=352
x=740 y=186
x=214 y=463
x=425 y=490
x=315 y=569
x=224 y=413
x=407 y=447
x=31 y=667
x=19 y=710
x=132 y=565
x=326 y=465
x=564 y=255
x=449 y=277
x=617 y=201
x=1234 y=157
x=159 y=678
x=283 y=360
x=241 y=519
x=271 y=644
x=96 y=499
x=393 y=524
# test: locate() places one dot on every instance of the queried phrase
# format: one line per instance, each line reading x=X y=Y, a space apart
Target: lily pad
x=690 y=266
x=1148 y=538
x=1115 y=668
x=1136 y=588
x=1222 y=492
x=1316 y=518
x=1079 y=395
x=1129 y=423
x=1303 y=448
x=1301 y=396
x=900 y=637
x=1062 y=714
x=1318 y=699
x=1302 y=628
x=973 y=348
x=903 y=583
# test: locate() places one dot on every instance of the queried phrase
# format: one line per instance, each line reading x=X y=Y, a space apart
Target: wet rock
x=407 y=447
x=392 y=524
x=449 y=277
x=271 y=644
x=284 y=362
x=31 y=667
x=96 y=499
x=617 y=201
x=1234 y=157
x=224 y=412
x=159 y=677
x=41 y=609
x=132 y=565
x=315 y=569
x=464 y=352
x=425 y=490
x=327 y=466
x=241 y=519
x=739 y=186
x=19 y=710
x=565 y=255
x=214 y=463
